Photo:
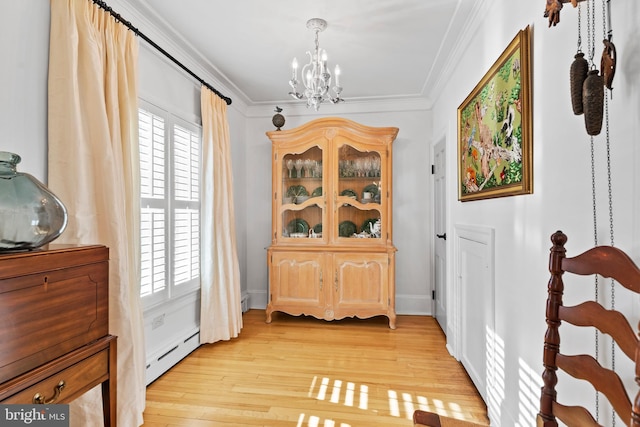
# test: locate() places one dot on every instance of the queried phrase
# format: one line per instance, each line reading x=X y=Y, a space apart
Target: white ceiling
x=385 y=48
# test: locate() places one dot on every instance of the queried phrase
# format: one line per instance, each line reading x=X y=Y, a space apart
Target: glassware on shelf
x=347 y=169
x=299 y=163
x=368 y=166
x=308 y=167
x=359 y=166
x=289 y=164
x=376 y=166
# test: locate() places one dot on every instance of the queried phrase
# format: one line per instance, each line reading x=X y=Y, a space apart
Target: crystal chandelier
x=315 y=75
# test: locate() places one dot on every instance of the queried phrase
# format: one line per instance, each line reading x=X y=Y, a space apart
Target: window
x=169 y=205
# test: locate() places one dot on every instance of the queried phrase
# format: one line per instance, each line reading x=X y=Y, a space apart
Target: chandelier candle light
x=315 y=75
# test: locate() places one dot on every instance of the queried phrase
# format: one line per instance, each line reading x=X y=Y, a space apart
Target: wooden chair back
x=608 y=262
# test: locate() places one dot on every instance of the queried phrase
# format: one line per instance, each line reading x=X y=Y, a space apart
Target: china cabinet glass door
x=303 y=196
x=358 y=193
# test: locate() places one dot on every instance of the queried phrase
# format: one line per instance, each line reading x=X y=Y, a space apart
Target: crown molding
x=299 y=108
x=470 y=26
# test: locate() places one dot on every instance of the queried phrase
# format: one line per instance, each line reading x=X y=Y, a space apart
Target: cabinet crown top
x=336 y=125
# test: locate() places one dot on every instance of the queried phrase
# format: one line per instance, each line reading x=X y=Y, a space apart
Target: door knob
x=442 y=236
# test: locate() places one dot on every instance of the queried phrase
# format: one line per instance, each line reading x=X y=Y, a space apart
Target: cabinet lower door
x=361 y=285
x=296 y=284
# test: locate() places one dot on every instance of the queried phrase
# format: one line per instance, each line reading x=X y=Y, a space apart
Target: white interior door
x=473 y=313
x=474 y=282
x=440 y=228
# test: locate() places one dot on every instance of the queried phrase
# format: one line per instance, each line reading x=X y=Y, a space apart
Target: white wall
x=24 y=45
x=562 y=181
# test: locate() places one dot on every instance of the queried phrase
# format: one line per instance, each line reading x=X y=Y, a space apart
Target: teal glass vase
x=30 y=215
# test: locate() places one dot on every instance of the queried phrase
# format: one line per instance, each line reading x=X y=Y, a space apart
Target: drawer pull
x=40 y=399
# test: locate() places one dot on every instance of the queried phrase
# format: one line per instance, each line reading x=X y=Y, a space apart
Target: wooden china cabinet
x=332 y=254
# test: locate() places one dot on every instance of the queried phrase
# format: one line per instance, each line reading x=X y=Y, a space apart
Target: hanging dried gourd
x=577 y=76
x=593 y=102
x=593 y=86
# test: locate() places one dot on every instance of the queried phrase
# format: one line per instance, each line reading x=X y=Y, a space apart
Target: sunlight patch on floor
x=335 y=394
x=447 y=409
x=348 y=397
x=315 y=422
x=407 y=399
x=394 y=408
x=401 y=405
x=364 y=397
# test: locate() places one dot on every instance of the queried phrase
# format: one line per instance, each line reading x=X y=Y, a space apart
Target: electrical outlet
x=157 y=322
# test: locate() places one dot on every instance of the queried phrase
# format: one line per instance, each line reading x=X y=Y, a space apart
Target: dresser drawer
x=76 y=380
x=57 y=304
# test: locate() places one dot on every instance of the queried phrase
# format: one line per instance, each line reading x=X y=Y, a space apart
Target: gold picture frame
x=495 y=132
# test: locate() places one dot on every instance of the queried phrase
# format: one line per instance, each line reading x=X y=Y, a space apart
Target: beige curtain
x=93 y=168
x=220 y=311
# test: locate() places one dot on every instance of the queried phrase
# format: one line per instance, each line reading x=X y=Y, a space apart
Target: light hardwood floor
x=300 y=371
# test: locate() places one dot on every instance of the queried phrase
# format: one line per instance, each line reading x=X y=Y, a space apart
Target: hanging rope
x=579 y=27
x=608 y=34
x=590 y=54
x=595 y=243
x=591 y=51
x=591 y=25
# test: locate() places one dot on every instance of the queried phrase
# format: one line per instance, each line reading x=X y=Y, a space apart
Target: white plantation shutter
x=186 y=147
x=187 y=164
x=152 y=156
x=170 y=205
x=153 y=254
x=187 y=255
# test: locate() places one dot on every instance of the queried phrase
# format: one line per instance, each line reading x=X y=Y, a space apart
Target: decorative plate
x=371 y=188
x=298 y=225
x=317 y=192
x=346 y=229
x=297 y=190
x=317 y=228
x=365 y=224
x=349 y=193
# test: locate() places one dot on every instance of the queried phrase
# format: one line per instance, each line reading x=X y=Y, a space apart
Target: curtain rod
x=138 y=33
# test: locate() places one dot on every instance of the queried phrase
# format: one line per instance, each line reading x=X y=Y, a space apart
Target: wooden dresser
x=54 y=326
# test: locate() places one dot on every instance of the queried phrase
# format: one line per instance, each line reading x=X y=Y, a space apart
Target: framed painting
x=495 y=128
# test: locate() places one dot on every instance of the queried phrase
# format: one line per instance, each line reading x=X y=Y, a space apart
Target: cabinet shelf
x=299 y=206
x=303 y=179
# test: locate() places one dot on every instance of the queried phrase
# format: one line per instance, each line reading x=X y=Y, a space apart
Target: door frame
x=441 y=140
